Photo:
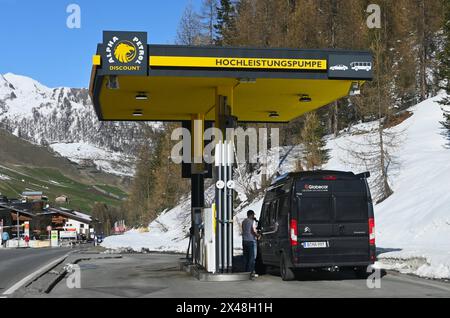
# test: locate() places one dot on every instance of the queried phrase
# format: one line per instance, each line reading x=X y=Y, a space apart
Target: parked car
x=317 y=220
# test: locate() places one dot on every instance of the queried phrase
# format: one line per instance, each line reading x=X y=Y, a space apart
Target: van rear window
x=315 y=209
x=351 y=208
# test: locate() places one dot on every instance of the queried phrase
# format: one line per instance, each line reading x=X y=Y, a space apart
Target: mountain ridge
x=64 y=116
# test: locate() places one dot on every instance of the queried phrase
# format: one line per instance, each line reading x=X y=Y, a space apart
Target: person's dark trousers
x=249 y=255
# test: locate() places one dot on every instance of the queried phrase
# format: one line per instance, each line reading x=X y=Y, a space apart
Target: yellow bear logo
x=125 y=52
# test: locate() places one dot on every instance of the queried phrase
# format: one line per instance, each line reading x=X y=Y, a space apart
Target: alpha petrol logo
x=125 y=52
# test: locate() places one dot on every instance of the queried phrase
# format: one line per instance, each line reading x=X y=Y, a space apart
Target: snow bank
x=169 y=233
x=412 y=226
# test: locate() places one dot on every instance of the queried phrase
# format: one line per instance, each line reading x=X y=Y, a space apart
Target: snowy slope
x=104 y=160
x=65 y=118
x=415 y=221
x=412 y=226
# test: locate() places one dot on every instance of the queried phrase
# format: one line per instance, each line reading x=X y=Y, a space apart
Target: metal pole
x=18 y=230
x=219 y=222
x=225 y=206
x=230 y=205
x=224 y=175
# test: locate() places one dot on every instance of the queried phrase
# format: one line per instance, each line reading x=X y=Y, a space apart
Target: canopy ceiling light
x=138 y=113
x=141 y=96
x=305 y=98
x=274 y=115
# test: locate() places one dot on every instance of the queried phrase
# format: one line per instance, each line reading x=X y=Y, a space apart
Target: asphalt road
x=158 y=276
x=16 y=264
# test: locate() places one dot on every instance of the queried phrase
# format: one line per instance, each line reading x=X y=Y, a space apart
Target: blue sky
x=36 y=42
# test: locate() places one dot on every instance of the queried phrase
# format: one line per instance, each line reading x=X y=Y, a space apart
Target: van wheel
x=286 y=273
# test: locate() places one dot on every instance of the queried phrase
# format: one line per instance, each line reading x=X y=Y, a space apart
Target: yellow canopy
x=171 y=83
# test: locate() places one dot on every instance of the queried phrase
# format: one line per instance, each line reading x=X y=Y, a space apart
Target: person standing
x=249 y=241
x=5 y=238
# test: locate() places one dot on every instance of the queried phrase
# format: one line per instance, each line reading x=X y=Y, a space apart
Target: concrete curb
x=204 y=276
x=30 y=279
x=44 y=283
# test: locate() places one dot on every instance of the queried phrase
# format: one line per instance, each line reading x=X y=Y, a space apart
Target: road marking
x=28 y=278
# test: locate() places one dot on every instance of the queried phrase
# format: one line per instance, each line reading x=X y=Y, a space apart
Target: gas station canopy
x=132 y=80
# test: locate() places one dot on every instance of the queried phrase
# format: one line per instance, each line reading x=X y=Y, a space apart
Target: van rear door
x=314 y=216
x=332 y=218
x=351 y=221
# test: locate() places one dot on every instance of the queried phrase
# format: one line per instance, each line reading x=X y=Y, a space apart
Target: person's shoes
x=254 y=275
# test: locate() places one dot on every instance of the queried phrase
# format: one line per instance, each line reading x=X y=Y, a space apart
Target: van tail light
x=372 y=231
x=329 y=178
x=293 y=233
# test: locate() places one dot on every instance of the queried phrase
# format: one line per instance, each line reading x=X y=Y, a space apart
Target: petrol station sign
x=124 y=53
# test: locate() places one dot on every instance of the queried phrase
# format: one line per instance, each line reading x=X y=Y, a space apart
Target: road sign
x=54 y=239
x=67 y=235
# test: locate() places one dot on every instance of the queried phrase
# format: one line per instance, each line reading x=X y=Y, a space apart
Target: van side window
x=269 y=216
x=264 y=215
x=274 y=213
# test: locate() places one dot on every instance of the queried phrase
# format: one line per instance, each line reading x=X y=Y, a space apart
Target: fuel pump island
x=216 y=86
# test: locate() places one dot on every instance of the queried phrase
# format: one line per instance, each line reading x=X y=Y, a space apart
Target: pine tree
x=375 y=152
x=106 y=216
x=446 y=127
x=226 y=24
x=443 y=73
x=137 y=205
x=427 y=19
x=314 y=152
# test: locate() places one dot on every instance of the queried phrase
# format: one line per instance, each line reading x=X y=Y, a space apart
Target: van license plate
x=315 y=244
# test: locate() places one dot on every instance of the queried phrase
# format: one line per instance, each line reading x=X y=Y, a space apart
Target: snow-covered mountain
x=412 y=226
x=64 y=119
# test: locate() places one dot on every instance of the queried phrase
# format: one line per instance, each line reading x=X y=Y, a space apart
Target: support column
x=224 y=182
x=197 y=181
